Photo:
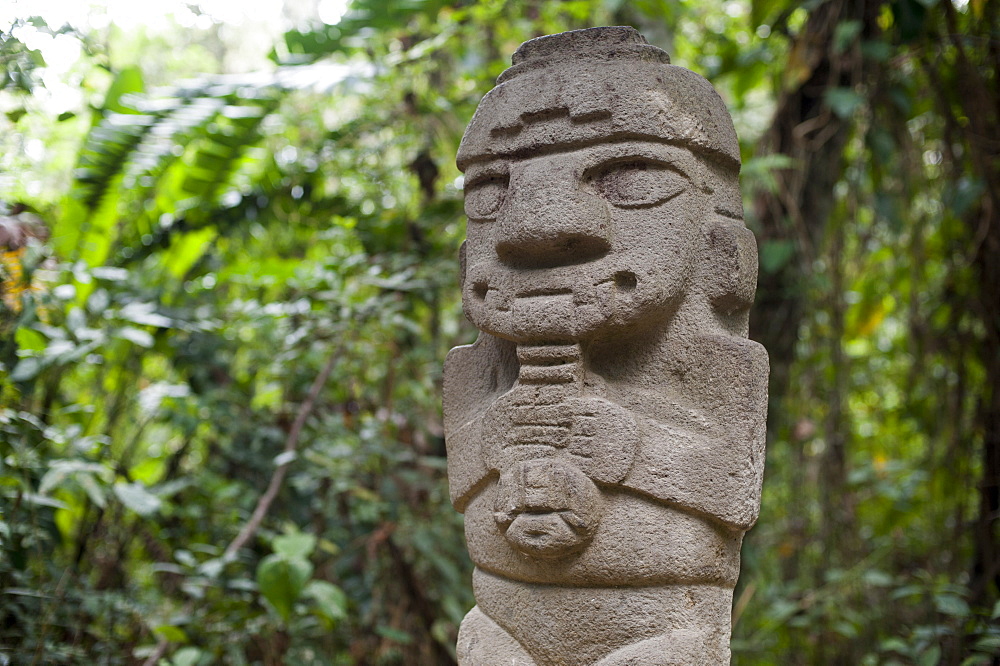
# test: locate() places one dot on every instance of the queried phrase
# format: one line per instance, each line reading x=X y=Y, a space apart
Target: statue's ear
x=732 y=262
x=461 y=265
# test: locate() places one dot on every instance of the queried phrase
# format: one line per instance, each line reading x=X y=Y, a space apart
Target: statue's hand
x=603 y=438
x=595 y=435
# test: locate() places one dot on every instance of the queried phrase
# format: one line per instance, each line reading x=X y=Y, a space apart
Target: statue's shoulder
x=475 y=375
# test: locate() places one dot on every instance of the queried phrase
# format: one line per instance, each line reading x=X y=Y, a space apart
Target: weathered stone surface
x=605 y=433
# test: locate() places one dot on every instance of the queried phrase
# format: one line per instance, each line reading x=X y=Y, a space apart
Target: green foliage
x=218 y=244
x=281 y=579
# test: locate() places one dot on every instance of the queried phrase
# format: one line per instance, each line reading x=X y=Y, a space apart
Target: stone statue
x=605 y=433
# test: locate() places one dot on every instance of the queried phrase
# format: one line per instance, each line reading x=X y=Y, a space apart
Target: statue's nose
x=543 y=227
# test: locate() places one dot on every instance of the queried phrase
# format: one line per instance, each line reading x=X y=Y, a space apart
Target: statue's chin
x=580 y=325
x=547 y=330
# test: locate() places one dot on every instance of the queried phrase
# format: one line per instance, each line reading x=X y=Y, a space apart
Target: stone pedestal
x=605 y=433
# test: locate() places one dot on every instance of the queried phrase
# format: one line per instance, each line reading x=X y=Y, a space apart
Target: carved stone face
x=573 y=244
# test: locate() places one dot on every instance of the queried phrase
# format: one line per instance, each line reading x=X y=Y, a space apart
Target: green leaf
x=989 y=644
x=394 y=634
x=212 y=568
x=135 y=335
x=144 y=314
x=129 y=81
x=844 y=34
x=170 y=633
x=843 y=101
x=876 y=49
x=42 y=500
x=26 y=369
x=188 y=249
x=845 y=629
x=28 y=338
x=94 y=491
x=281 y=580
x=764 y=10
x=931 y=657
x=774 y=255
x=61 y=470
x=285 y=457
x=330 y=600
x=759 y=172
x=877 y=578
x=136 y=498
x=977 y=659
x=952 y=604
x=298 y=544
x=188 y=656
x=894 y=644
x=962 y=195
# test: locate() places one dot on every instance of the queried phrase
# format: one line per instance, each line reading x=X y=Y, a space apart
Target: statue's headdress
x=559 y=92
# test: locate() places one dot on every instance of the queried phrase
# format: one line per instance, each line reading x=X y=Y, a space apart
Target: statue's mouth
x=564 y=303
x=550 y=291
x=547 y=534
x=502 y=298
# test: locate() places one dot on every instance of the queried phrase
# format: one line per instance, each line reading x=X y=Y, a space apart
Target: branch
x=291 y=445
x=273 y=488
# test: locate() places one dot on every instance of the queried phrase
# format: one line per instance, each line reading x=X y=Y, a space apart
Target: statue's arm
x=467 y=469
x=716 y=471
x=715 y=477
x=474 y=377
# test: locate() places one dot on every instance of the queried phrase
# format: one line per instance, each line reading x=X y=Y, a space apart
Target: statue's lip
x=543 y=292
x=555 y=286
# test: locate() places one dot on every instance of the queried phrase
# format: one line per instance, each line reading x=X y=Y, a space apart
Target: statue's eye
x=484 y=197
x=638 y=183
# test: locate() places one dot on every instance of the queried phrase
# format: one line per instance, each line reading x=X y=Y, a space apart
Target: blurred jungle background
x=228 y=252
